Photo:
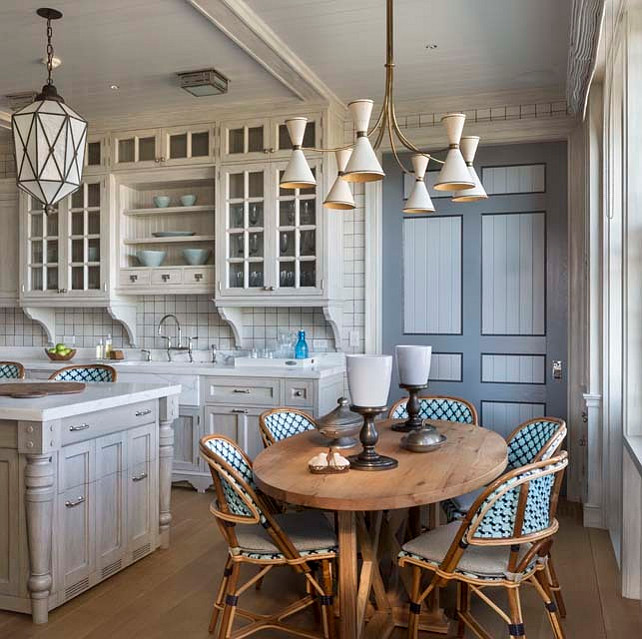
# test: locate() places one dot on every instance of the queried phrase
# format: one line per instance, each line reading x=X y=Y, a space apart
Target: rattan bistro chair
x=85 y=373
x=302 y=541
x=452 y=409
x=12 y=370
x=280 y=423
x=502 y=542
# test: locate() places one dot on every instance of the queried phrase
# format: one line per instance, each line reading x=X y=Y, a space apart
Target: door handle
x=139 y=477
x=74 y=502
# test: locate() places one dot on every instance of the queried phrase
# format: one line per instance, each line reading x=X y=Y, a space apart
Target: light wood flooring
x=169 y=593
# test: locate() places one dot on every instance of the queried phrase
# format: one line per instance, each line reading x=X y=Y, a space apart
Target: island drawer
x=91 y=425
x=245 y=391
x=299 y=392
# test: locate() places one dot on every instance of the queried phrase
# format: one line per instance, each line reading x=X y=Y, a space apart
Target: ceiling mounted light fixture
x=204 y=82
x=364 y=165
x=340 y=196
x=49 y=139
x=468 y=145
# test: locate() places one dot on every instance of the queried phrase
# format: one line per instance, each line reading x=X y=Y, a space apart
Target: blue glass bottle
x=301 y=347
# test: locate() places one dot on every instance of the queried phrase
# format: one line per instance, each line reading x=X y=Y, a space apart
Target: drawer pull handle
x=74 y=502
x=73 y=429
x=239 y=411
x=298 y=393
x=133 y=278
x=166 y=277
x=242 y=391
x=198 y=276
x=145 y=411
x=139 y=477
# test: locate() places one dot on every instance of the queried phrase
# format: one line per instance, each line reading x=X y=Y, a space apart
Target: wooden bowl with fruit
x=60 y=353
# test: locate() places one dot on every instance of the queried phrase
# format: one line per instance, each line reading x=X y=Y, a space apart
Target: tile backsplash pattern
x=16 y=329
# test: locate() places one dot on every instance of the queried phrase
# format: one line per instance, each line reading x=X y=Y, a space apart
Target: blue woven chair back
x=234 y=471
x=496 y=516
x=280 y=424
x=450 y=409
x=85 y=374
x=11 y=370
x=534 y=440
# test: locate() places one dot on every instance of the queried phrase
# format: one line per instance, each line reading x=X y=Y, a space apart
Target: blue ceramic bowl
x=151 y=258
x=188 y=200
x=161 y=201
x=195 y=256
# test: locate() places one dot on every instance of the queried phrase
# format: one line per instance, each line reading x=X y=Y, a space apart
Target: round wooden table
x=470 y=458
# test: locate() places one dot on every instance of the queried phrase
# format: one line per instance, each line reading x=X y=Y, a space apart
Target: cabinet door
x=244 y=229
x=283 y=144
x=297 y=236
x=246 y=140
x=9 y=244
x=111 y=502
x=9 y=522
x=85 y=224
x=186 y=435
x=239 y=424
x=76 y=537
x=188 y=145
x=96 y=155
x=40 y=249
x=136 y=149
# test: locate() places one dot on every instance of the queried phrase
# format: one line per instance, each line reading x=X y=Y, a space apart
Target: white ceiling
x=483 y=45
x=136 y=44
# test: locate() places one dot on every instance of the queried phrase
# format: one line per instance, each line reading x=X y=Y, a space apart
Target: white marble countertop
x=97 y=396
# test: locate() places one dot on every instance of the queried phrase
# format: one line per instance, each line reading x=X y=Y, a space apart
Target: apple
x=60 y=347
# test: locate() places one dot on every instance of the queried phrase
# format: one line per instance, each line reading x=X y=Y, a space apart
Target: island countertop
x=95 y=397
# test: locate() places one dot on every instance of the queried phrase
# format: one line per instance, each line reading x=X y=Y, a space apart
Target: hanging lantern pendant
x=49 y=139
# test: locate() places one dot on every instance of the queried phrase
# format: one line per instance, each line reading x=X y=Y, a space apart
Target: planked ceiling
x=140 y=44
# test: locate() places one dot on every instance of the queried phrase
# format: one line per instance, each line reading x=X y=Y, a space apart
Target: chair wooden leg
x=540 y=581
x=516 y=626
x=230 y=603
x=327 y=601
x=463 y=603
x=415 y=606
x=555 y=587
x=222 y=589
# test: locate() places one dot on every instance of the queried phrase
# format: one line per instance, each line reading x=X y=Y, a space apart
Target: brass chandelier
x=359 y=162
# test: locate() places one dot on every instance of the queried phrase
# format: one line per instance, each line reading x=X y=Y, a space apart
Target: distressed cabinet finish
x=83 y=503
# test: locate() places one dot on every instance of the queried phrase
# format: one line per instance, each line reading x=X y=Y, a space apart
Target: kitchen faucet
x=179 y=347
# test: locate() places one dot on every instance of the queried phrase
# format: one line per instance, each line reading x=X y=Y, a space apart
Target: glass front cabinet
x=63 y=253
x=271 y=236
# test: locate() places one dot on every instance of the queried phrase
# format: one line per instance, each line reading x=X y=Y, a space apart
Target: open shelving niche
x=139 y=219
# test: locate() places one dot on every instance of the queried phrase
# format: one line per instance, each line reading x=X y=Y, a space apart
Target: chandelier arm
x=390 y=115
x=409 y=145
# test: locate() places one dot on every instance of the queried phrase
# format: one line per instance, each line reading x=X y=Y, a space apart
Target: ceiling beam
x=253 y=35
x=5 y=120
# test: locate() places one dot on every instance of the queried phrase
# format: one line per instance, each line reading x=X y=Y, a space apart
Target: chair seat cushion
x=309 y=531
x=481 y=562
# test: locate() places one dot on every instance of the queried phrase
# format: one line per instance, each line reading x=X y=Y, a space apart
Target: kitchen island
x=85 y=485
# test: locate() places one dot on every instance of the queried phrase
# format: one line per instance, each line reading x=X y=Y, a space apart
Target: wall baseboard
x=593 y=516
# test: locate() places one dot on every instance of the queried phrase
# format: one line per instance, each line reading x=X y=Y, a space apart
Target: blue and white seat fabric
x=281 y=424
x=10 y=370
x=495 y=520
x=84 y=374
x=444 y=408
x=309 y=531
x=535 y=440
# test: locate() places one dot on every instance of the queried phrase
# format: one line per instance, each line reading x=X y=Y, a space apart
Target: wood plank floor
x=169 y=593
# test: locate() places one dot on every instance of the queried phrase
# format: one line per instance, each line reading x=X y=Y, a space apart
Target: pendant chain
x=50 y=52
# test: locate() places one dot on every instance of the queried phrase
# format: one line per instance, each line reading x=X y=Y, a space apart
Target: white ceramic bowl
x=162 y=201
x=369 y=379
x=188 y=200
x=413 y=364
x=151 y=258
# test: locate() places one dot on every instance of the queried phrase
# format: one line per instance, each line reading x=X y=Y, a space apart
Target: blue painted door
x=485 y=284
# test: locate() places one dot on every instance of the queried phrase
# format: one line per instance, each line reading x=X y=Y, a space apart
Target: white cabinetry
x=9 y=215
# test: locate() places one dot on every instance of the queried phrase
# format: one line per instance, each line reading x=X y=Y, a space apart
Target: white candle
x=413 y=364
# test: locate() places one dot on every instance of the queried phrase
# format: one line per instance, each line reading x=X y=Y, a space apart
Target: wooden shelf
x=198 y=208
x=170 y=240
x=164 y=267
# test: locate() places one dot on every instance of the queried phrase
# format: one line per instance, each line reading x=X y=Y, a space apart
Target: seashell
x=337 y=460
x=319 y=461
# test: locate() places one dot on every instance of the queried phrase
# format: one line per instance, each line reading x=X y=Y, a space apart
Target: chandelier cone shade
x=49 y=139
x=419 y=200
x=363 y=165
x=454 y=174
x=298 y=174
x=468 y=146
x=340 y=195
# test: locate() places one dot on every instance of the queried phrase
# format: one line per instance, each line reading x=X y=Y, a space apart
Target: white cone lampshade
x=49 y=140
x=363 y=165
x=298 y=174
x=468 y=147
x=340 y=195
x=419 y=201
x=454 y=175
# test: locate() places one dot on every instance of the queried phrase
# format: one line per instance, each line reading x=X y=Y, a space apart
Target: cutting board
x=28 y=390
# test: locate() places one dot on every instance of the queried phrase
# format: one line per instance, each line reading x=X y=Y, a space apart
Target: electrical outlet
x=353 y=338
